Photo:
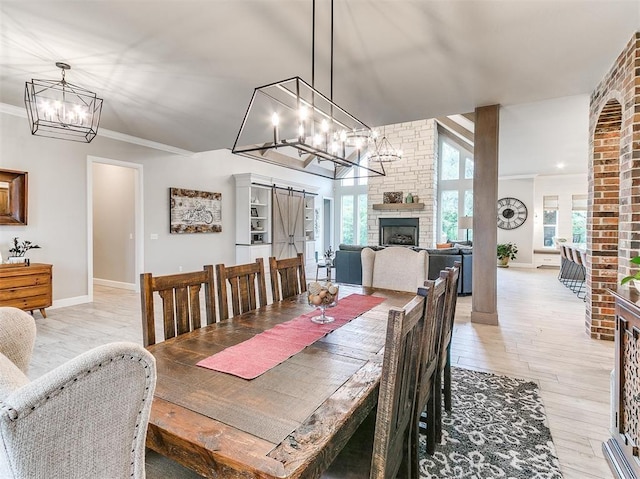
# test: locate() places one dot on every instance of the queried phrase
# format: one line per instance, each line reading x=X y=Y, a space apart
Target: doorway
x=114 y=224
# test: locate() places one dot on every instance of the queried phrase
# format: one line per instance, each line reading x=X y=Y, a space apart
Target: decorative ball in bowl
x=322 y=295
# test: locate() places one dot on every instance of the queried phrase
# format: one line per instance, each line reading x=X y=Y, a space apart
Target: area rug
x=497 y=429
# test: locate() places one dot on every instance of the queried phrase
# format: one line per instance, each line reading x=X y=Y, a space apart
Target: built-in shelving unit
x=398 y=206
x=309 y=223
x=253 y=219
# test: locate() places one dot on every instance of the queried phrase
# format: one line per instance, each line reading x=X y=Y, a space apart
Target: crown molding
x=114 y=135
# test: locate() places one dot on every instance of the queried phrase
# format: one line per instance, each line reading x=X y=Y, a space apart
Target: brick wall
x=414 y=174
x=613 y=218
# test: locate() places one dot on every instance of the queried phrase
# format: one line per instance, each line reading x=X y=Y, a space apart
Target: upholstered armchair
x=17 y=336
x=395 y=267
x=86 y=418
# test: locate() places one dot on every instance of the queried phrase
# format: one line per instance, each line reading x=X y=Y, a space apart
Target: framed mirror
x=13 y=197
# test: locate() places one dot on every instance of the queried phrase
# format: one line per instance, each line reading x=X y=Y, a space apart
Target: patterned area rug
x=497 y=429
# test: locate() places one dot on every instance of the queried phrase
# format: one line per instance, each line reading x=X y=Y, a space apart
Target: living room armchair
x=86 y=418
x=17 y=336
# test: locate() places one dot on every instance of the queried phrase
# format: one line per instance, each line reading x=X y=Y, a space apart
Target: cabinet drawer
x=24 y=280
x=30 y=303
x=25 y=292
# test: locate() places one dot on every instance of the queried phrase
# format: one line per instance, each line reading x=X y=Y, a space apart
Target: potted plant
x=506 y=251
x=635 y=277
x=19 y=249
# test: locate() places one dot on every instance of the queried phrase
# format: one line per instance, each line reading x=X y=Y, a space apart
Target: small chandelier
x=291 y=124
x=385 y=152
x=59 y=109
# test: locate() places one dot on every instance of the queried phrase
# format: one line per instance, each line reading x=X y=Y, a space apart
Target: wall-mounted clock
x=511 y=213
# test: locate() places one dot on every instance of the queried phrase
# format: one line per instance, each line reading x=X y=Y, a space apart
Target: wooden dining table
x=291 y=421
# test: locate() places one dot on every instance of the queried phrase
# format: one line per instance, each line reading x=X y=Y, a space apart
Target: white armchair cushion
x=17 y=336
x=395 y=267
x=11 y=378
x=86 y=418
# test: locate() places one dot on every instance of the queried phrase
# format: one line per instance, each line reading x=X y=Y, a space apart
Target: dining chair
x=443 y=382
x=17 y=336
x=180 y=294
x=287 y=277
x=428 y=369
x=381 y=446
x=247 y=286
x=395 y=267
x=86 y=418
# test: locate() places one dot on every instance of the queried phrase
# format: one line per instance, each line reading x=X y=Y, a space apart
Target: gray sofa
x=348 y=264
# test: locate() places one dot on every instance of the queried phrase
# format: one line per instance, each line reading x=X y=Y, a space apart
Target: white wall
x=113 y=223
x=58 y=209
x=522 y=236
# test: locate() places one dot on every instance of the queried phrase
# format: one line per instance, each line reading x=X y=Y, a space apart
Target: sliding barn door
x=288 y=223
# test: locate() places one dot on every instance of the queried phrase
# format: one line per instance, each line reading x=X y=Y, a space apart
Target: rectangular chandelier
x=291 y=124
x=59 y=109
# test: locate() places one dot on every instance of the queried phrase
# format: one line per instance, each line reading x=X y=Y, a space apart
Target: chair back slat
x=434 y=292
x=287 y=277
x=168 y=318
x=180 y=295
x=396 y=399
x=450 y=275
x=245 y=283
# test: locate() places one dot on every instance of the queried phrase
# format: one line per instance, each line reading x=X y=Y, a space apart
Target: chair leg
x=447 y=381
x=431 y=426
x=437 y=406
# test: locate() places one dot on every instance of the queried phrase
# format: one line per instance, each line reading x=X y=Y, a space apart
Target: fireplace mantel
x=399 y=206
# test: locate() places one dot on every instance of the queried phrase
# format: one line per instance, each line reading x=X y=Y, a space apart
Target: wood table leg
x=42 y=311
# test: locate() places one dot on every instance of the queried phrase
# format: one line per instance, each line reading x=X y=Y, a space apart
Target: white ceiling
x=182 y=72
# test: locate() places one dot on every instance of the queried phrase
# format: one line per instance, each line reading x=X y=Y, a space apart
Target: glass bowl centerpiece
x=322 y=295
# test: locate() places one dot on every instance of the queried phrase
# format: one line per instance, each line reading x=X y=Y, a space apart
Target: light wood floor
x=541 y=338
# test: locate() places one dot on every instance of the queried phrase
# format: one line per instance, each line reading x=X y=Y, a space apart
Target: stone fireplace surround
x=415 y=173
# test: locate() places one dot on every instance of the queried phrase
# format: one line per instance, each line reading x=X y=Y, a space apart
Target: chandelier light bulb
x=325 y=126
x=317 y=139
x=303 y=113
x=275 y=119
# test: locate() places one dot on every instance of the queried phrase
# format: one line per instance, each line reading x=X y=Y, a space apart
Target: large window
x=352 y=197
x=579 y=218
x=549 y=219
x=455 y=189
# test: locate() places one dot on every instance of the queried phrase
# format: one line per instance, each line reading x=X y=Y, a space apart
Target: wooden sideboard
x=622 y=450
x=26 y=287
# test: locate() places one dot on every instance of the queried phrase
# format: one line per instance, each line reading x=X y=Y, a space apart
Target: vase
x=16 y=259
x=503 y=262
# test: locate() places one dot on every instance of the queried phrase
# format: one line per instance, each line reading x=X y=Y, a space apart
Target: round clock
x=511 y=213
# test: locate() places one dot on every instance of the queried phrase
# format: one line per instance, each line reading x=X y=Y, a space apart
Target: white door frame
x=332 y=221
x=138 y=218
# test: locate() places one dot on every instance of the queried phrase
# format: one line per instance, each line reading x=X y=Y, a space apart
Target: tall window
x=549 y=219
x=352 y=197
x=579 y=218
x=455 y=188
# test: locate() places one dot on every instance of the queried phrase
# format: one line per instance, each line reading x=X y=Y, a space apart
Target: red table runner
x=257 y=355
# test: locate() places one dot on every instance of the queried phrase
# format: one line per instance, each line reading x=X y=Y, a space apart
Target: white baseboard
x=114 y=284
x=63 y=303
x=521 y=265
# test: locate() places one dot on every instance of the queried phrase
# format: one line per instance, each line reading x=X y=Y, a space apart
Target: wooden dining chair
x=396 y=267
x=180 y=294
x=247 y=285
x=443 y=382
x=287 y=277
x=381 y=446
x=428 y=369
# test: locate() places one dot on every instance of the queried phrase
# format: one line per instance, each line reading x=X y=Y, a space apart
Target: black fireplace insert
x=399 y=231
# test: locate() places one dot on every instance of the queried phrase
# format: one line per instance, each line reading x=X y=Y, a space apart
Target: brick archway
x=603 y=221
